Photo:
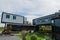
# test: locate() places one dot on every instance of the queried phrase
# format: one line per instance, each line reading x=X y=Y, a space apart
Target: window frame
x=14 y=17
x=7 y=16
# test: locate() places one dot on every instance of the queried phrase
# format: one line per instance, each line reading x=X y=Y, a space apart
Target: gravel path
x=9 y=38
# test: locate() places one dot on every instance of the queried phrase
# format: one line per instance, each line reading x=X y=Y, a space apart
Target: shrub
x=33 y=38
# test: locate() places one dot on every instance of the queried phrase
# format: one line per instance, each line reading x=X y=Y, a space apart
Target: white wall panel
x=19 y=19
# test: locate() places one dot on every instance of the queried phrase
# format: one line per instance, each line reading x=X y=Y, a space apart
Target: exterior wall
x=57 y=22
x=47 y=20
x=25 y=20
x=19 y=19
x=43 y=20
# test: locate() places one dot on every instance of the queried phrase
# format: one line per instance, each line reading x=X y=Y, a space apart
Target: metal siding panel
x=57 y=22
x=49 y=17
x=19 y=19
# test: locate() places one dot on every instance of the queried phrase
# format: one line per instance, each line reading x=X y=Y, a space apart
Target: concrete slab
x=4 y=37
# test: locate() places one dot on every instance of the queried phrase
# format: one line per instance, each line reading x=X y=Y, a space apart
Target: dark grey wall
x=47 y=19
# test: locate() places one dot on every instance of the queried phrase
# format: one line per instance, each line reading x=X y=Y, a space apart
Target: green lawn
x=1 y=28
x=39 y=36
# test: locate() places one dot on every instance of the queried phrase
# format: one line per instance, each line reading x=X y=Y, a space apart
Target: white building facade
x=13 y=18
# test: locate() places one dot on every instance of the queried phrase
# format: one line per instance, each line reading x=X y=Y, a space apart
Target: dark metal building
x=53 y=20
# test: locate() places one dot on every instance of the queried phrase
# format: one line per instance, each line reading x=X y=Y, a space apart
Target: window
x=46 y=20
x=8 y=16
x=14 y=17
x=43 y=20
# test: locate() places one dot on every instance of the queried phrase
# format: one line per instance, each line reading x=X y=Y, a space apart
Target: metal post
x=5 y=26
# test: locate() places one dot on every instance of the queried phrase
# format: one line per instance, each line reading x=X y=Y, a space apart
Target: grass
x=28 y=36
x=1 y=28
x=39 y=36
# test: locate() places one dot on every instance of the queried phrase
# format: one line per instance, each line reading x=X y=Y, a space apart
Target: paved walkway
x=9 y=38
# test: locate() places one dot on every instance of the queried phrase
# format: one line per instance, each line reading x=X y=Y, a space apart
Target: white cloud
x=32 y=8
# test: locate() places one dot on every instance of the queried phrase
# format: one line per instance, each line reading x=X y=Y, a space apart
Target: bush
x=33 y=38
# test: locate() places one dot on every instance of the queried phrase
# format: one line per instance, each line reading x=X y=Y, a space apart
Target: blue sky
x=29 y=8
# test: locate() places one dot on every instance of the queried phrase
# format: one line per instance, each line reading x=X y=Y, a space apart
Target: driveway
x=9 y=38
